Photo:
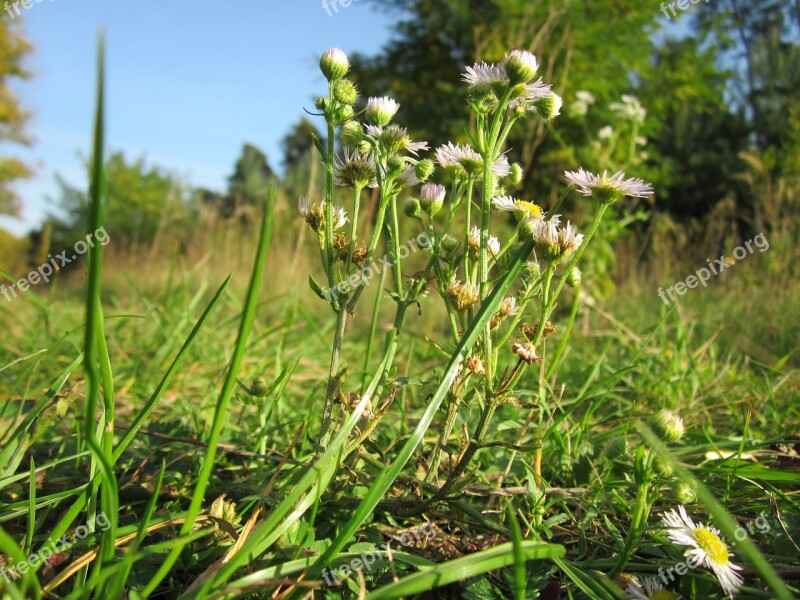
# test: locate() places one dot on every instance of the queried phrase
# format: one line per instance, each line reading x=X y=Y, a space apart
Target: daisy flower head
x=380 y=111
x=569 y=240
x=533 y=97
x=354 y=170
x=474 y=241
x=485 y=75
x=334 y=64
x=605 y=133
x=520 y=66
x=314 y=214
x=706 y=548
x=395 y=138
x=648 y=588
x=630 y=109
x=462 y=159
x=431 y=197
x=553 y=243
x=580 y=107
x=522 y=209
x=408 y=177
x=607 y=189
x=462 y=295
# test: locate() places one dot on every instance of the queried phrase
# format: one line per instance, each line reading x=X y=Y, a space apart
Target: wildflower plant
x=489 y=286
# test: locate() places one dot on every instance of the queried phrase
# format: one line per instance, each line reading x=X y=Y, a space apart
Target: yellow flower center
x=663 y=595
x=713 y=546
x=527 y=210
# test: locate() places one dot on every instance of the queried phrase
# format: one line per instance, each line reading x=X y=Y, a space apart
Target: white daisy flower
x=569 y=240
x=545 y=234
x=485 y=74
x=409 y=176
x=522 y=209
x=630 y=109
x=465 y=158
x=501 y=167
x=648 y=588
x=474 y=241
x=432 y=193
x=396 y=138
x=605 y=133
x=553 y=243
x=353 y=169
x=314 y=214
x=705 y=548
x=608 y=189
x=533 y=92
x=380 y=111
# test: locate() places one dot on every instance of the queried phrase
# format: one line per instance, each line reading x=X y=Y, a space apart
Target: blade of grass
x=465 y=567
x=221 y=411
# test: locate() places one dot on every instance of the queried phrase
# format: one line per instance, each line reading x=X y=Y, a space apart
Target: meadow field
x=408 y=381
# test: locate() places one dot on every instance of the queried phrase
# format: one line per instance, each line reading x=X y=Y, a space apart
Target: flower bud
x=334 y=64
x=449 y=244
x=520 y=66
x=346 y=113
x=259 y=388
x=424 y=169
x=549 y=107
x=515 y=175
x=685 y=493
x=352 y=134
x=662 y=466
x=380 y=111
x=574 y=277
x=668 y=425
x=321 y=103
x=431 y=198
x=411 y=208
x=345 y=91
x=531 y=271
x=365 y=147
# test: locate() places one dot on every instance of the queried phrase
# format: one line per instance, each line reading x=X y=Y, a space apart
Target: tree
x=603 y=47
x=298 y=143
x=13 y=50
x=248 y=185
x=143 y=202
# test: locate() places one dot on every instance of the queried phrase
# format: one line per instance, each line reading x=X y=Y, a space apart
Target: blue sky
x=188 y=82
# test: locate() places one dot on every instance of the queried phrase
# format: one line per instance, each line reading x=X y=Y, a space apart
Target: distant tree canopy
x=142 y=200
x=732 y=88
x=298 y=143
x=247 y=186
x=13 y=50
